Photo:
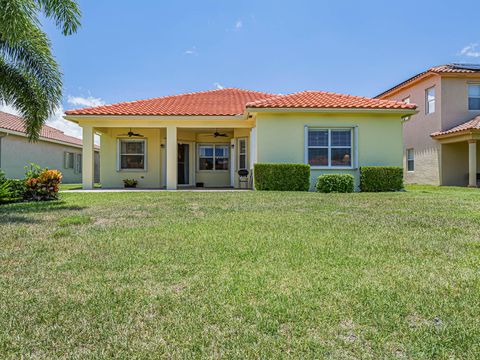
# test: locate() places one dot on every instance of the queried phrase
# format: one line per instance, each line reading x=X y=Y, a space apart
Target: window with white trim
x=473 y=96
x=132 y=154
x=78 y=163
x=329 y=147
x=68 y=160
x=410 y=160
x=242 y=154
x=430 y=100
x=213 y=157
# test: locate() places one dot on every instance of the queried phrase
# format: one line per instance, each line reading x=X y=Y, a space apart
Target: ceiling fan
x=217 y=134
x=131 y=133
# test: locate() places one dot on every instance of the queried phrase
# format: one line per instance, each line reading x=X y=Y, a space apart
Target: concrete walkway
x=154 y=190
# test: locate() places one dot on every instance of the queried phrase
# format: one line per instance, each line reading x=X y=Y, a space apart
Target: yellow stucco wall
x=281 y=138
x=110 y=177
x=154 y=176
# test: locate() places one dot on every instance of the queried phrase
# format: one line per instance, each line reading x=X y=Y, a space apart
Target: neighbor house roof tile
x=473 y=124
x=15 y=123
x=439 y=70
x=327 y=100
x=222 y=102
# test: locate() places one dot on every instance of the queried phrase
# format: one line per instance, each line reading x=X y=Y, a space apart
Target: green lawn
x=242 y=275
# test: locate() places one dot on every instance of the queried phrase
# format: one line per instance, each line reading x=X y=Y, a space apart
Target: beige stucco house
x=54 y=150
x=205 y=138
x=440 y=141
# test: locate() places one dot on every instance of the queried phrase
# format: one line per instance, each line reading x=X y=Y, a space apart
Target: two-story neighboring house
x=440 y=141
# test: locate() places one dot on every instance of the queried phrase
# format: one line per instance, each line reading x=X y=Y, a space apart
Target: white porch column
x=172 y=157
x=87 y=157
x=472 y=163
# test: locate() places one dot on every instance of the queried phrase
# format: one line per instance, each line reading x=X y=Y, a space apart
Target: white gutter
x=334 y=110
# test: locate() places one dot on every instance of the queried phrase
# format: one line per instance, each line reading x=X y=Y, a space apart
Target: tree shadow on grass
x=13 y=213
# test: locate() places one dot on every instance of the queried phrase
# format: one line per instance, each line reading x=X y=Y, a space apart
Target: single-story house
x=205 y=138
x=54 y=150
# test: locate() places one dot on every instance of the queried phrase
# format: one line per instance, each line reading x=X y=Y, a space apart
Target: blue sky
x=127 y=50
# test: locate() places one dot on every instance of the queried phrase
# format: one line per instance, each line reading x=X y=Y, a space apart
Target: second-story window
x=473 y=96
x=430 y=100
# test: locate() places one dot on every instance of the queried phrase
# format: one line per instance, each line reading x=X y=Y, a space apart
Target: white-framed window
x=410 y=160
x=242 y=154
x=430 y=100
x=213 y=157
x=473 y=96
x=68 y=160
x=78 y=163
x=329 y=148
x=132 y=154
x=407 y=100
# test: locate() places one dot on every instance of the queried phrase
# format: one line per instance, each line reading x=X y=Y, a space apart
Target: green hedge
x=282 y=177
x=338 y=183
x=381 y=178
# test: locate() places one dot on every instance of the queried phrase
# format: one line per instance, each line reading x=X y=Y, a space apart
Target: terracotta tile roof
x=223 y=102
x=327 y=100
x=473 y=124
x=16 y=123
x=440 y=69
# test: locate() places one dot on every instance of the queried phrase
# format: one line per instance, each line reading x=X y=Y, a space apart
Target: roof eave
x=41 y=138
x=403 y=112
x=76 y=117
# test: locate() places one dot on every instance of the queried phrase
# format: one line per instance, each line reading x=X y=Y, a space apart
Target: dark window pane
x=206 y=163
x=132 y=161
x=341 y=137
x=473 y=90
x=132 y=147
x=474 y=103
x=318 y=138
x=341 y=157
x=221 y=151
x=221 y=164
x=206 y=151
x=242 y=163
x=410 y=165
x=318 y=157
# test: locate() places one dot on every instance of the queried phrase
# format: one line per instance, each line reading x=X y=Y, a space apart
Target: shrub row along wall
x=296 y=177
x=381 y=178
x=282 y=177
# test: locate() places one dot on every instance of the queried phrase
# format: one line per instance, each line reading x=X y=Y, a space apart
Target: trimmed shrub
x=11 y=190
x=43 y=187
x=381 y=178
x=282 y=177
x=335 y=183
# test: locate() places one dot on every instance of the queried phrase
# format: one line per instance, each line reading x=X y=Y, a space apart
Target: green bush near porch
x=282 y=177
x=381 y=178
x=335 y=183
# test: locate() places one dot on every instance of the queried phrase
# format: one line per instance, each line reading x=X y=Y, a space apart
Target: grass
x=242 y=275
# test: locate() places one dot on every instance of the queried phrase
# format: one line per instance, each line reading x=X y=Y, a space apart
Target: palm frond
x=66 y=14
x=25 y=93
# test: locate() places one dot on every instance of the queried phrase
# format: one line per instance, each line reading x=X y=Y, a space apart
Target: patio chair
x=243 y=178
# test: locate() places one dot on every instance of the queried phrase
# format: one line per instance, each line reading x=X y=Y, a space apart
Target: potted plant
x=130 y=183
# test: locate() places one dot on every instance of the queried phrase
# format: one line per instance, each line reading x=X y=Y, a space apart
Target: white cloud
x=218 y=86
x=56 y=120
x=9 y=109
x=238 y=24
x=191 y=51
x=88 y=101
x=470 y=51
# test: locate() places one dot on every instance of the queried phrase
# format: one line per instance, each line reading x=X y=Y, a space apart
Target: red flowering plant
x=43 y=184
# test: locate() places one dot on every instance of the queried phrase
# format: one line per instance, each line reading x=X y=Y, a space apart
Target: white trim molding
x=353 y=147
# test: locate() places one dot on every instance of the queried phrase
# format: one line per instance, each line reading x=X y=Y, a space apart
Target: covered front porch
x=460 y=154
x=182 y=155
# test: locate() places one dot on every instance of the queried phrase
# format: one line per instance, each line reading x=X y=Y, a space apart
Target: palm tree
x=30 y=78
